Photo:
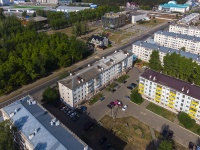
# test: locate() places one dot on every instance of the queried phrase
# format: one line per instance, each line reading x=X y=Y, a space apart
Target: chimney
x=183 y=89
x=12 y=114
x=188 y=91
x=36 y=130
x=31 y=136
x=154 y=78
x=71 y=74
x=150 y=76
x=16 y=110
x=82 y=80
x=88 y=65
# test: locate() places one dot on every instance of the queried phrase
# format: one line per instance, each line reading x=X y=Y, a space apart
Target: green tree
x=154 y=62
x=6 y=136
x=50 y=95
x=136 y=97
x=182 y=48
x=166 y=145
x=34 y=14
x=24 y=14
x=185 y=120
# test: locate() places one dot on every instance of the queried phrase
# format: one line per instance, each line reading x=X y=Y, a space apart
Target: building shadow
x=20 y=122
x=89 y=130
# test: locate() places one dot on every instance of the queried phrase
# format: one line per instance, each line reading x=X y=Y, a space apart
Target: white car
x=124 y=108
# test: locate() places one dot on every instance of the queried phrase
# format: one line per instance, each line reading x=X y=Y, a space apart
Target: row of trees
x=177 y=66
x=139 y=2
x=26 y=55
x=58 y=20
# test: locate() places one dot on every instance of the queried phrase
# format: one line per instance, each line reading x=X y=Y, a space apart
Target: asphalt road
x=84 y=63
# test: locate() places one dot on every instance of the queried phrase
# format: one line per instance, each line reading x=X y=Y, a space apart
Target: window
x=181 y=104
x=183 y=96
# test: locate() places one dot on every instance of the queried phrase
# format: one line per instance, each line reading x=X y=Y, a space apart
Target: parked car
x=102 y=140
x=127 y=97
x=124 y=108
x=164 y=132
x=102 y=98
x=83 y=108
x=73 y=114
x=191 y=145
x=69 y=112
x=111 y=105
x=118 y=103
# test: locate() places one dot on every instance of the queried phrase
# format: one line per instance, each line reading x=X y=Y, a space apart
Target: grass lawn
x=161 y=111
x=152 y=23
x=32 y=7
x=194 y=128
x=136 y=134
x=95 y=99
x=67 y=31
x=111 y=86
x=122 y=78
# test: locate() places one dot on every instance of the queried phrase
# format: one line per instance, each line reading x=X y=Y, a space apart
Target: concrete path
x=145 y=104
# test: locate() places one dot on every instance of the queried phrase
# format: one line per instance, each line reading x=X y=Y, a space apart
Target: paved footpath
x=156 y=122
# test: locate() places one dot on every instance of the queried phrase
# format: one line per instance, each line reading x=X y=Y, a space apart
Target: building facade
x=38 y=129
x=187 y=30
x=114 y=20
x=171 y=93
x=143 y=51
x=137 y=16
x=172 y=6
x=178 y=41
x=191 y=18
x=88 y=81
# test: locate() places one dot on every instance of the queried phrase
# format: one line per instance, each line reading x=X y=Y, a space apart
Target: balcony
x=193 y=107
x=171 y=98
x=191 y=115
x=172 y=94
x=192 y=111
x=195 y=103
x=171 y=106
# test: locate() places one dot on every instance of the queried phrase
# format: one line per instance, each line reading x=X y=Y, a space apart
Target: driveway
x=98 y=110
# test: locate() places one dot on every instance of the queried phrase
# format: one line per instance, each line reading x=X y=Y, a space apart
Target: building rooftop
x=135 y=13
x=34 y=123
x=176 y=84
x=74 y=8
x=163 y=49
x=182 y=36
x=186 y=26
x=188 y=18
x=90 y=72
x=169 y=5
x=114 y=15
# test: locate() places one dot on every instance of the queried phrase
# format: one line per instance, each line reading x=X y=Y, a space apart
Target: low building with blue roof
x=143 y=51
x=38 y=129
x=172 y=6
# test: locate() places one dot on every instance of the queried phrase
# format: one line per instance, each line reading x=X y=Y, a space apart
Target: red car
x=119 y=103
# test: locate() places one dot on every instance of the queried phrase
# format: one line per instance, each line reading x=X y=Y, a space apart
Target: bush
x=185 y=120
x=50 y=95
x=136 y=97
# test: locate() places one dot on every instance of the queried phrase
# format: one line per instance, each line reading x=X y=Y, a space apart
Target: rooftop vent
x=88 y=65
x=31 y=136
x=53 y=121
x=36 y=130
x=71 y=74
x=31 y=101
x=57 y=123
x=115 y=52
x=154 y=78
x=183 y=88
x=17 y=109
x=150 y=76
x=12 y=114
x=188 y=91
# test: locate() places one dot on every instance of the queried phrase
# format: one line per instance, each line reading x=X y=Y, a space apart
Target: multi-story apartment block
x=85 y=83
x=178 y=41
x=114 y=20
x=187 y=30
x=38 y=129
x=171 y=93
x=143 y=51
x=187 y=20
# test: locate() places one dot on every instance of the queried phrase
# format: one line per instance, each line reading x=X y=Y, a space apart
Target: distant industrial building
x=177 y=41
x=171 y=93
x=183 y=29
x=47 y=1
x=114 y=20
x=137 y=16
x=143 y=51
x=38 y=129
x=87 y=82
x=172 y=6
x=191 y=18
x=70 y=8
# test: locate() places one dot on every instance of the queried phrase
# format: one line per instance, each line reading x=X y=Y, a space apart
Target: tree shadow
x=20 y=122
x=89 y=130
x=41 y=146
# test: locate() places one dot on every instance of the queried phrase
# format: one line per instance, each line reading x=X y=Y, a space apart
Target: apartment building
x=187 y=30
x=191 y=18
x=171 y=93
x=38 y=129
x=178 y=41
x=83 y=84
x=143 y=51
x=114 y=20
